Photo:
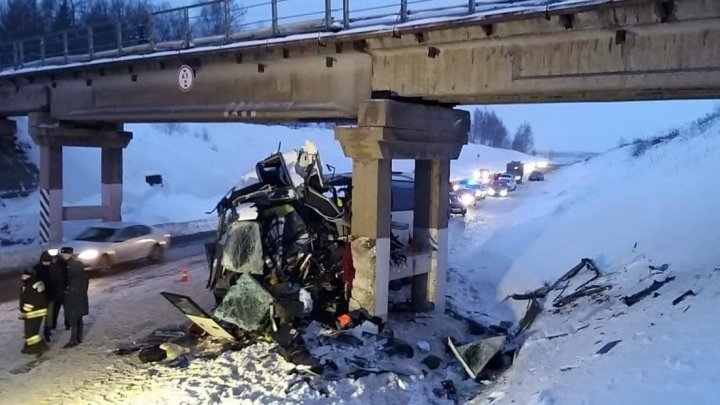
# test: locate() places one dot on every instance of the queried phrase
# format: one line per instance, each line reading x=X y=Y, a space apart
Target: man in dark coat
x=76 y=296
x=33 y=308
x=52 y=273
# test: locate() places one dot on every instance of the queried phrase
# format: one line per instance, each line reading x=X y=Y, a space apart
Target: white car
x=509 y=179
x=105 y=245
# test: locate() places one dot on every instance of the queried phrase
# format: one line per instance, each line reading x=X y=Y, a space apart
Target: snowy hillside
x=199 y=164
x=626 y=213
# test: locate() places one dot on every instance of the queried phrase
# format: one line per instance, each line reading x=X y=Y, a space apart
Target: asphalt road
x=181 y=248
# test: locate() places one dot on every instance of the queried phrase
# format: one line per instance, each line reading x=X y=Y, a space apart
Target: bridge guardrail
x=189 y=26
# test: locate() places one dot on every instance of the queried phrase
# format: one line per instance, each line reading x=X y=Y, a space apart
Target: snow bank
x=616 y=207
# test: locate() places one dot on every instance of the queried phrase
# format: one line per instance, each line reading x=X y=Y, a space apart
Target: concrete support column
x=51 y=194
x=431 y=135
x=432 y=188
x=112 y=177
x=371 y=235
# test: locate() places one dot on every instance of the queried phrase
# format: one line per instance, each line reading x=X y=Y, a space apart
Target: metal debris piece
x=475 y=356
x=639 y=296
x=609 y=346
x=534 y=309
x=681 y=298
x=585 y=291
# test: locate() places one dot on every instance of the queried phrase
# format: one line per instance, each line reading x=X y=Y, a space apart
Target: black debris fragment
x=639 y=296
x=398 y=347
x=448 y=391
x=475 y=356
x=681 y=298
x=476 y=328
x=609 y=346
x=534 y=309
x=152 y=354
x=584 y=291
x=659 y=269
x=432 y=362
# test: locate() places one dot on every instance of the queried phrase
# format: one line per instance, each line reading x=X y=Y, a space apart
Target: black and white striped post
x=51 y=194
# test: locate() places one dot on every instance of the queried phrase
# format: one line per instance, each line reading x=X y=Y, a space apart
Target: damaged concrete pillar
x=52 y=135
x=371 y=235
x=388 y=130
x=112 y=178
x=432 y=189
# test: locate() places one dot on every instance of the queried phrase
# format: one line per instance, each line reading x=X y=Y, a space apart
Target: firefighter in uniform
x=33 y=308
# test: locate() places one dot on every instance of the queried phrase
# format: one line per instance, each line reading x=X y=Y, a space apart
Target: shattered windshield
x=96 y=234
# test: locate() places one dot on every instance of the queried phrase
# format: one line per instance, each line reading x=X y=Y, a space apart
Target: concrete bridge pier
x=431 y=135
x=51 y=136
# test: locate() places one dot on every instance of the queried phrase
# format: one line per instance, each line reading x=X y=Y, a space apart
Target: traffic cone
x=184 y=276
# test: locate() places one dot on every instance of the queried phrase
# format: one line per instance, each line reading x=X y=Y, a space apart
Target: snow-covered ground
x=626 y=213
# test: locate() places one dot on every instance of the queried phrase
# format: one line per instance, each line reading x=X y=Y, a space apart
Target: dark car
x=456 y=206
x=536 y=176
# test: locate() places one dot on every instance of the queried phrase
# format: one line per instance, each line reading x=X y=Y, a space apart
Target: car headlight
x=518 y=177
x=88 y=254
x=456 y=187
x=53 y=252
x=491 y=191
x=467 y=200
x=503 y=193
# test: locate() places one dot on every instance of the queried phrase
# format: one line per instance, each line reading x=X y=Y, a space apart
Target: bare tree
x=523 y=141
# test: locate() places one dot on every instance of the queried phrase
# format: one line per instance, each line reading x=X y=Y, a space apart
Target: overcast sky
x=576 y=126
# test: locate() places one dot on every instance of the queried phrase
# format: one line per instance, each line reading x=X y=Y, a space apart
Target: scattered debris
x=173 y=351
x=609 y=346
x=475 y=356
x=397 y=347
x=639 y=296
x=681 y=298
x=423 y=346
x=585 y=291
x=534 y=309
x=447 y=391
x=654 y=270
x=432 y=362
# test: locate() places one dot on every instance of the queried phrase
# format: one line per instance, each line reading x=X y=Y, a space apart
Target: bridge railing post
x=91 y=42
x=328 y=14
x=66 y=47
x=403 y=10
x=472 y=7
x=275 y=27
x=227 y=15
x=42 y=51
x=119 y=37
x=346 y=14
x=186 y=28
x=151 y=32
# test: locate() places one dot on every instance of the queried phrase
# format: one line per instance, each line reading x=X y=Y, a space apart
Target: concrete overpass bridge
x=397 y=73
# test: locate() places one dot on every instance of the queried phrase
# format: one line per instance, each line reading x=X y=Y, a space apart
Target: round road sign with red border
x=186 y=78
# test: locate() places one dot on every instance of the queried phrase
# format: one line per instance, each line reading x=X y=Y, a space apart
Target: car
x=455 y=206
x=467 y=197
x=509 y=179
x=499 y=188
x=102 y=246
x=536 y=176
x=517 y=169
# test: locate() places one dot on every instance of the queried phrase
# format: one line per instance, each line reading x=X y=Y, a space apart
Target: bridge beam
x=611 y=53
x=387 y=130
x=52 y=136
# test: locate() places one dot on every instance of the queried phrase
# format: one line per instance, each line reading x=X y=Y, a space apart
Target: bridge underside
x=633 y=50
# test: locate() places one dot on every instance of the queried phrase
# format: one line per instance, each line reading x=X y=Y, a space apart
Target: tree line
x=22 y=19
x=488 y=129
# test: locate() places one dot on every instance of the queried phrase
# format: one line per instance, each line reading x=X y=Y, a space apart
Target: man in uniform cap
x=33 y=308
x=76 y=295
x=52 y=272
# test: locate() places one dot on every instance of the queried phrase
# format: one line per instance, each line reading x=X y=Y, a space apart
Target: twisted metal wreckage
x=282 y=263
x=282 y=256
